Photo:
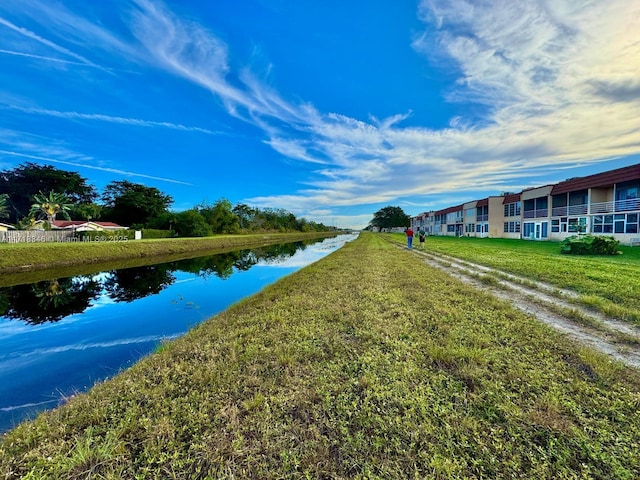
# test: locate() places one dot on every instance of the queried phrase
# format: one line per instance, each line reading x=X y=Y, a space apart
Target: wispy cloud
x=559 y=81
x=70 y=28
x=111 y=119
x=42 y=57
x=92 y=167
x=58 y=48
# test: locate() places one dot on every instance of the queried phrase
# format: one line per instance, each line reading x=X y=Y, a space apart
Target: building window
x=558 y=201
x=470 y=228
x=580 y=197
x=512 y=227
x=568 y=224
x=618 y=223
x=577 y=225
x=451 y=228
x=528 y=230
x=628 y=196
x=512 y=209
x=627 y=191
x=602 y=224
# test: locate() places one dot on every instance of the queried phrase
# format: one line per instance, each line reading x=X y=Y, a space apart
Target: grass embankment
x=610 y=284
x=366 y=364
x=21 y=257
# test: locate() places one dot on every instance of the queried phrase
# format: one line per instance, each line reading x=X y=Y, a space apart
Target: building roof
x=77 y=223
x=482 y=203
x=604 y=179
x=457 y=208
x=511 y=198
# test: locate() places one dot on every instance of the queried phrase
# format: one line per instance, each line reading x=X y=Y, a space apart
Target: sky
x=328 y=109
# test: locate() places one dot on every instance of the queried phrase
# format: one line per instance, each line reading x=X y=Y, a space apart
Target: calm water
x=59 y=337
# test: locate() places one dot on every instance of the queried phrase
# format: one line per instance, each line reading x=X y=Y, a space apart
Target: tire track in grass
x=552 y=305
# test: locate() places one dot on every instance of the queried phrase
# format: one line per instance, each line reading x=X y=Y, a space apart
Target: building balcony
x=539 y=213
x=619 y=206
x=571 y=210
x=594 y=208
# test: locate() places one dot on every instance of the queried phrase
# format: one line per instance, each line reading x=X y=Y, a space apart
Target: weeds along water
x=366 y=364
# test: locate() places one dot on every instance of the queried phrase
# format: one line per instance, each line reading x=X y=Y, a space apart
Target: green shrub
x=155 y=233
x=589 y=245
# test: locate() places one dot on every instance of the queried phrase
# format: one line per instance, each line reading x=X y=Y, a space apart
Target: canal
x=60 y=336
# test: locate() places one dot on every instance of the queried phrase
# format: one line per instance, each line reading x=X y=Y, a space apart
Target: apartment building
x=606 y=203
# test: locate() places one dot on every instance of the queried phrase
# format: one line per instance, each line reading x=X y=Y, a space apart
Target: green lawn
x=610 y=284
x=366 y=364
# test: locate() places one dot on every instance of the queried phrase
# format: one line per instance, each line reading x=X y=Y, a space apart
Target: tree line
x=31 y=191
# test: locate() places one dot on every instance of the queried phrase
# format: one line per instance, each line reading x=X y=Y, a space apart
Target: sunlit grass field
x=610 y=284
x=366 y=364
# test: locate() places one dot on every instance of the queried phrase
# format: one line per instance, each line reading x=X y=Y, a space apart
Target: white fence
x=37 y=236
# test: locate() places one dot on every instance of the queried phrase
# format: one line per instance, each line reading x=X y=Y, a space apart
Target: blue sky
x=330 y=109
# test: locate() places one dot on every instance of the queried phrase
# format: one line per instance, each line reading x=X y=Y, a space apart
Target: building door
x=541 y=230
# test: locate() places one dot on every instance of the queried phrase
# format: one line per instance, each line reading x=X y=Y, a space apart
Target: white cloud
x=84 y=164
x=559 y=81
x=47 y=43
x=42 y=57
x=111 y=119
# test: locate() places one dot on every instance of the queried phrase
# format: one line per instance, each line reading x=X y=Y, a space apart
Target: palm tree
x=50 y=206
x=4 y=208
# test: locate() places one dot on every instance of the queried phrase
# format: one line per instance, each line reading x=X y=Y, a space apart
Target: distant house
x=85 y=226
x=5 y=226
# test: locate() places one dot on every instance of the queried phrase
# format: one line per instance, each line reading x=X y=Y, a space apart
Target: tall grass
x=365 y=364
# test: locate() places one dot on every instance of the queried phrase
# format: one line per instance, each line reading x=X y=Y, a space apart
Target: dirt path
x=548 y=304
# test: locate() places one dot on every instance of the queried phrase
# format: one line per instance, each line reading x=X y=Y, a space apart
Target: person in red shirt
x=409 y=233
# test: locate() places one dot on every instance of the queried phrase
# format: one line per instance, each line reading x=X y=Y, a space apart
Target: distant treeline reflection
x=55 y=299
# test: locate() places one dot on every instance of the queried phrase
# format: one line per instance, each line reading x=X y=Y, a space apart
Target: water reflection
x=60 y=336
x=55 y=299
x=50 y=300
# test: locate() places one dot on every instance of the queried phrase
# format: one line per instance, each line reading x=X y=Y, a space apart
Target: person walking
x=409 y=233
x=421 y=235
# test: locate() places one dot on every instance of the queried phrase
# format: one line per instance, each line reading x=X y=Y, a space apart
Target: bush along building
x=606 y=203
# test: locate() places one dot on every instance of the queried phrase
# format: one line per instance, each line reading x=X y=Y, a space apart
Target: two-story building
x=606 y=203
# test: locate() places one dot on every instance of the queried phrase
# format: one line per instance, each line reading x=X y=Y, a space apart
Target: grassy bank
x=366 y=364
x=610 y=284
x=39 y=256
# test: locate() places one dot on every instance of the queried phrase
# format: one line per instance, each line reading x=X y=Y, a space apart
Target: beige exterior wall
x=599 y=195
x=496 y=218
x=536 y=193
x=471 y=219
